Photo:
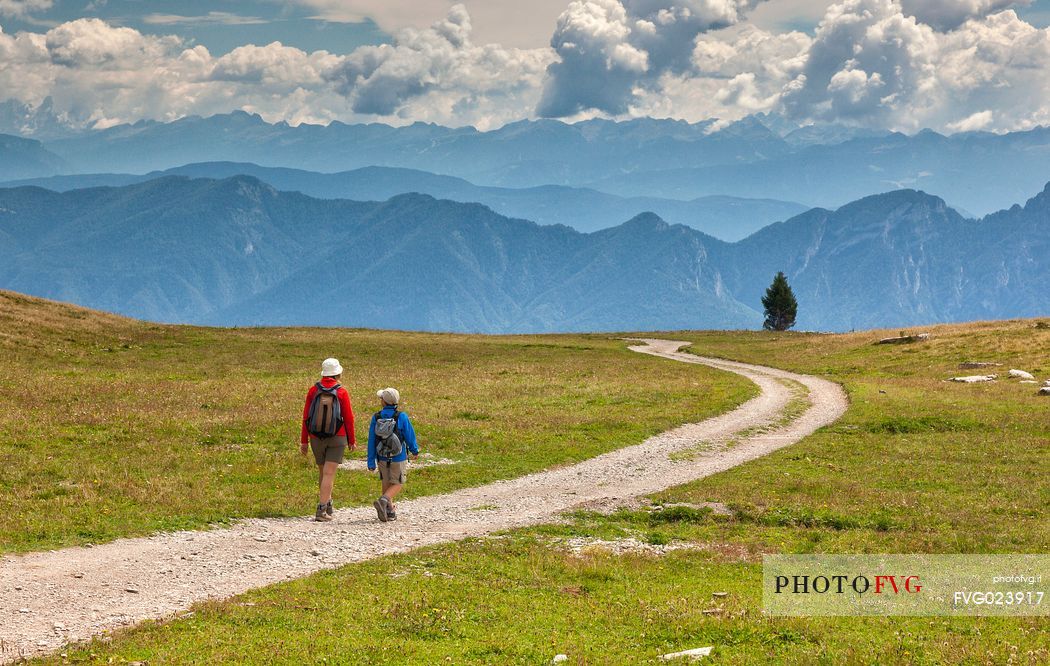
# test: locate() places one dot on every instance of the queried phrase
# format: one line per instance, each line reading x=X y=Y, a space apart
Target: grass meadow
x=916 y=465
x=111 y=427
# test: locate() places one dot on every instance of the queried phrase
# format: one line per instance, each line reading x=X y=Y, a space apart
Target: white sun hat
x=330 y=367
x=389 y=395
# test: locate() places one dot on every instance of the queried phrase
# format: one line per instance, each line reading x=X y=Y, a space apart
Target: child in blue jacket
x=391 y=439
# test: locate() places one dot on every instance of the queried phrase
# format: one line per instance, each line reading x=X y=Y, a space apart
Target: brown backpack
x=325 y=416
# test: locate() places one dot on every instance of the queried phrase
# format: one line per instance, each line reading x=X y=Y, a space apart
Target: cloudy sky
x=953 y=65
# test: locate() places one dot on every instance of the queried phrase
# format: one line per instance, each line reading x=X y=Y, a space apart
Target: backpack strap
x=342 y=416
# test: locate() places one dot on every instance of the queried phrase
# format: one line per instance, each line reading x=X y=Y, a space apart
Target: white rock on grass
x=694 y=654
x=904 y=339
x=975 y=379
x=581 y=545
x=1021 y=374
x=559 y=658
x=1045 y=390
x=1047 y=383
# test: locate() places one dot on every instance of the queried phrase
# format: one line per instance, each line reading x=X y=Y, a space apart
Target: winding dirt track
x=51 y=598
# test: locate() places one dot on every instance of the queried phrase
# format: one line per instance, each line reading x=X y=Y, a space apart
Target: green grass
x=941 y=467
x=524 y=599
x=111 y=427
x=916 y=465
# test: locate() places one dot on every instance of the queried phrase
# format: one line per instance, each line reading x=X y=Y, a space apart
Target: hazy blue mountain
x=26 y=158
x=521 y=154
x=237 y=251
x=79 y=181
x=40 y=122
x=900 y=259
x=168 y=249
x=759 y=157
x=830 y=134
x=977 y=171
x=727 y=218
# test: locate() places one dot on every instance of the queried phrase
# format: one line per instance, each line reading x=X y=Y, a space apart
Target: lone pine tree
x=780 y=305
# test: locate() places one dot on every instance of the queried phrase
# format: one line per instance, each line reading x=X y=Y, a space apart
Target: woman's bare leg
x=327 y=481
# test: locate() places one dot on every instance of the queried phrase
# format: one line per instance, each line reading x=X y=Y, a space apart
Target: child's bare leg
x=390 y=491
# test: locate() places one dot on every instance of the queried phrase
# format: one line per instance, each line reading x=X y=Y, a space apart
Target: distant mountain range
x=726 y=218
x=26 y=158
x=40 y=122
x=238 y=252
x=759 y=157
x=978 y=172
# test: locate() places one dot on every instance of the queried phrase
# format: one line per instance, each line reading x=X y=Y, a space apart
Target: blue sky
x=952 y=65
x=220 y=25
x=1038 y=14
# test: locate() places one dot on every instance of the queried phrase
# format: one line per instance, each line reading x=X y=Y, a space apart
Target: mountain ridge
x=21 y=157
x=239 y=252
x=729 y=218
x=642 y=157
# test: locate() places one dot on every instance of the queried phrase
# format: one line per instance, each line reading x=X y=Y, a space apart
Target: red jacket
x=347 y=429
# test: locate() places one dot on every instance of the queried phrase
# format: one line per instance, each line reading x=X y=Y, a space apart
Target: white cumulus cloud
x=612 y=52
x=23 y=8
x=103 y=74
x=973 y=122
x=959 y=65
x=276 y=66
x=949 y=14
x=873 y=64
x=512 y=23
x=732 y=74
x=435 y=73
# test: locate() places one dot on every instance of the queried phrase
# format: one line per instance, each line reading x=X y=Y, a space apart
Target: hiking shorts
x=329 y=449
x=393 y=473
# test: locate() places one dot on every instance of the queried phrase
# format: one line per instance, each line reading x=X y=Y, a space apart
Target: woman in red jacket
x=328 y=427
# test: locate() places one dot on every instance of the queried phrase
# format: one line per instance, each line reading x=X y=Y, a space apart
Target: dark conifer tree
x=780 y=305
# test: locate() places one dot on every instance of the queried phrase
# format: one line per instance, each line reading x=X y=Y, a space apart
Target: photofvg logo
x=824 y=585
x=842 y=584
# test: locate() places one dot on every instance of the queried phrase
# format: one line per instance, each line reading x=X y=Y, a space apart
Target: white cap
x=389 y=395
x=330 y=368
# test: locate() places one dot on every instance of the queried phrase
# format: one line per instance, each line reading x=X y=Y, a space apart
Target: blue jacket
x=404 y=430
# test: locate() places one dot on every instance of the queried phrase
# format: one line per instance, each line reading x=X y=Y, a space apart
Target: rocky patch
x=975 y=379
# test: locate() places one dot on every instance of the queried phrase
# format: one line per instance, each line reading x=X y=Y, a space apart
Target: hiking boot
x=390 y=515
x=328 y=508
x=322 y=515
x=380 y=505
